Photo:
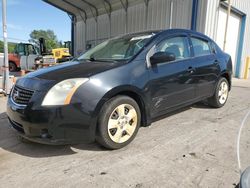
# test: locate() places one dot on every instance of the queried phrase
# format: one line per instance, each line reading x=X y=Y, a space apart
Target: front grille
x=20 y=95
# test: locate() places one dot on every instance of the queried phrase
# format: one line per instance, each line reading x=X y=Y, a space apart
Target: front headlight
x=61 y=93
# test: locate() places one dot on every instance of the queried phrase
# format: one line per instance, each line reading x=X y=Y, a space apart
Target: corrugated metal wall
x=158 y=18
x=244 y=6
x=211 y=21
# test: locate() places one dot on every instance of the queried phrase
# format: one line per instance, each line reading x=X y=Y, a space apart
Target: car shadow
x=10 y=141
x=201 y=105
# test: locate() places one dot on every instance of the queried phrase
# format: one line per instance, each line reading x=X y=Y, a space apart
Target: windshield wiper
x=92 y=59
x=103 y=60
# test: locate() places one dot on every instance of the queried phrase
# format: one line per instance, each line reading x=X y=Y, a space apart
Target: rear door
x=170 y=83
x=206 y=66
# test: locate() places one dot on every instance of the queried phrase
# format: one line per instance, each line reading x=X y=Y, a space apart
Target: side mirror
x=162 y=57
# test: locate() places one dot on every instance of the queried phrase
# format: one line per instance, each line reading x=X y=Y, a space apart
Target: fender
x=132 y=92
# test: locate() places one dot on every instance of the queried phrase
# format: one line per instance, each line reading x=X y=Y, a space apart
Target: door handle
x=191 y=70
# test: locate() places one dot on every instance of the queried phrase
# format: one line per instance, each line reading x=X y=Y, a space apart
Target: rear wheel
x=221 y=94
x=119 y=122
x=12 y=67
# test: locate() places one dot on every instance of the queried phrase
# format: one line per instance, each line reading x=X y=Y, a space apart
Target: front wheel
x=119 y=122
x=221 y=94
x=12 y=67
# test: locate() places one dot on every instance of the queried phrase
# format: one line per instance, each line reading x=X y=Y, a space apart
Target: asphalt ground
x=192 y=147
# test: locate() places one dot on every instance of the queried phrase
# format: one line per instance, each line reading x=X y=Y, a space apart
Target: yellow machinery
x=247 y=68
x=61 y=54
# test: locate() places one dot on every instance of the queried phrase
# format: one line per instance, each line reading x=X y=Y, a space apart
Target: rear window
x=201 y=47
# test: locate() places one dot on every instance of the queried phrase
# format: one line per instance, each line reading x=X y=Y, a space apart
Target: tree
x=49 y=36
x=11 y=47
x=1 y=47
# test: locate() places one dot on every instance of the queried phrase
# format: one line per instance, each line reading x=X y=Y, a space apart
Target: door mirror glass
x=20 y=50
x=162 y=57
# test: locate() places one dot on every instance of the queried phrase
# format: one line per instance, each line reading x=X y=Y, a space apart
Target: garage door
x=232 y=33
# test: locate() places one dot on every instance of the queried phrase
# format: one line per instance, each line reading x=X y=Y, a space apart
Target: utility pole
x=228 y=16
x=6 y=83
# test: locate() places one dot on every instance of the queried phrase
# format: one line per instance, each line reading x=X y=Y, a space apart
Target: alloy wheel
x=122 y=123
x=223 y=92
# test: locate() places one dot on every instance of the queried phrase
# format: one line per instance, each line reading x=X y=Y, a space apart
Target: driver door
x=170 y=84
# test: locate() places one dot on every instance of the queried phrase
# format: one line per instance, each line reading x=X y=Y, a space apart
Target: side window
x=20 y=49
x=31 y=50
x=201 y=47
x=177 y=45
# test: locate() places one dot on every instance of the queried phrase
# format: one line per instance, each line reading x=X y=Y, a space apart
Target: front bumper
x=52 y=125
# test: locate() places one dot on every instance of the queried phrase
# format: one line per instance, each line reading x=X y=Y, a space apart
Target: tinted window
x=20 y=49
x=177 y=45
x=201 y=47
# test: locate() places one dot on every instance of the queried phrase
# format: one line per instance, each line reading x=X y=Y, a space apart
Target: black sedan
x=107 y=93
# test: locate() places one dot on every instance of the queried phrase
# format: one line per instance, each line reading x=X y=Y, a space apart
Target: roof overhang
x=86 y=9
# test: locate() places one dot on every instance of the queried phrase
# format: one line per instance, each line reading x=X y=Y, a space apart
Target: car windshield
x=117 y=49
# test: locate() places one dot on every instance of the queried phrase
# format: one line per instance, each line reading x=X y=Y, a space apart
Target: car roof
x=149 y=32
x=187 y=31
x=167 y=32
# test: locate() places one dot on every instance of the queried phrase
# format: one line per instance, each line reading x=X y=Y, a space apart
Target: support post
x=85 y=34
x=96 y=31
x=171 y=14
x=110 y=26
x=108 y=11
x=247 y=68
x=240 y=47
x=73 y=18
x=6 y=83
x=146 y=14
x=194 y=14
x=126 y=21
x=227 y=20
x=125 y=6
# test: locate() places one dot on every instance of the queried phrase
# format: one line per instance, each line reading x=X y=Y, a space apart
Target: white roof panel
x=91 y=8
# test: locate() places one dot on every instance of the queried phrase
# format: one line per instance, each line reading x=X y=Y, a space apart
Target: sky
x=23 y=16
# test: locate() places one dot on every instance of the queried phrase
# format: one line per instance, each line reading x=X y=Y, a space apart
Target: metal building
x=96 y=20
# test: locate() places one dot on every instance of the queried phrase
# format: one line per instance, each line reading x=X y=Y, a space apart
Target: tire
x=220 y=96
x=118 y=123
x=12 y=67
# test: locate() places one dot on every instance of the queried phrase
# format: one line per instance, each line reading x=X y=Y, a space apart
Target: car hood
x=69 y=70
x=43 y=79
